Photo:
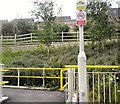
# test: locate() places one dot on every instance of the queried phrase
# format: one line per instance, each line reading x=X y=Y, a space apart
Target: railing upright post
x=18 y=83
x=15 y=40
x=93 y=80
x=1 y=40
x=61 y=79
x=74 y=79
x=43 y=78
x=98 y=88
x=115 y=86
x=109 y=88
x=31 y=37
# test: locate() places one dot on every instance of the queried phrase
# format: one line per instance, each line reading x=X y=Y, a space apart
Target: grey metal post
x=70 y=85
x=74 y=79
x=43 y=78
x=18 y=83
x=0 y=81
x=77 y=36
x=82 y=77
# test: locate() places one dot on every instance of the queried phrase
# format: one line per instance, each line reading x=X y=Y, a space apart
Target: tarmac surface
x=21 y=96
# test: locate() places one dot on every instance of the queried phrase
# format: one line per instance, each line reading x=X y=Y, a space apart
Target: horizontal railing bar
x=70 y=36
x=100 y=72
x=69 y=39
x=8 y=76
x=4 y=70
x=8 y=39
x=91 y=66
x=23 y=35
x=35 y=40
x=8 y=36
x=24 y=38
x=103 y=72
x=3 y=82
x=34 y=68
x=24 y=41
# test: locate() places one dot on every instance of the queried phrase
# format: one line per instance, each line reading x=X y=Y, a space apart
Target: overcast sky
x=11 y=9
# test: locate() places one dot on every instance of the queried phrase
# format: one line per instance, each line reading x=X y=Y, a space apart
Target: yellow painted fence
x=60 y=77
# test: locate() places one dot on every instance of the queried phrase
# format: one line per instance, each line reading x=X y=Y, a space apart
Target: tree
x=23 y=27
x=20 y=27
x=100 y=26
x=44 y=11
x=8 y=29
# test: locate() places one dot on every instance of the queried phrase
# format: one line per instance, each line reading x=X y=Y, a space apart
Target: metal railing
x=102 y=83
x=43 y=76
x=102 y=80
x=26 y=39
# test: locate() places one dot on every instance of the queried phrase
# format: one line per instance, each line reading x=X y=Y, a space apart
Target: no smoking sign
x=81 y=17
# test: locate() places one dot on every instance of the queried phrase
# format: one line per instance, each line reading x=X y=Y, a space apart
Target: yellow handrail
x=64 y=86
x=33 y=68
x=61 y=77
x=3 y=82
x=91 y=66
x=4 y=70
x=51 y=77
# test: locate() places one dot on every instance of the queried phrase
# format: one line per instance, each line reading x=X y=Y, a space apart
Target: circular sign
x=80 y=16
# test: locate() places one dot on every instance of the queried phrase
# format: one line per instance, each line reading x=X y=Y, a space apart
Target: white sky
x=11 y=9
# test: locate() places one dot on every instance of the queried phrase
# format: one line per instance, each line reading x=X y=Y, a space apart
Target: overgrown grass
x=61 y=55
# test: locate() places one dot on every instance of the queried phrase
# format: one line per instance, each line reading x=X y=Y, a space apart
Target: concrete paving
x=28 y=95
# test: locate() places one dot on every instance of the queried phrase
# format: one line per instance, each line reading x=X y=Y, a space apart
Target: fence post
x=15 y=39
x=31 y=37
x=1 y=40
x=62 y=37
x=1 y=47
x=18 y=83
x=70 y=85
x=61 y=79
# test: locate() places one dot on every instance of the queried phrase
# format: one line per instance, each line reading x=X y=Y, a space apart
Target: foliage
x=44 y=11
x=23 y=27
x=20 y=27
x=8 y=29
x=62 y=55
x=100 y=25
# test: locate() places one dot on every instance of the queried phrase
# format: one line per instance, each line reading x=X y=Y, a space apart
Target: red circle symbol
x=81 y=15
